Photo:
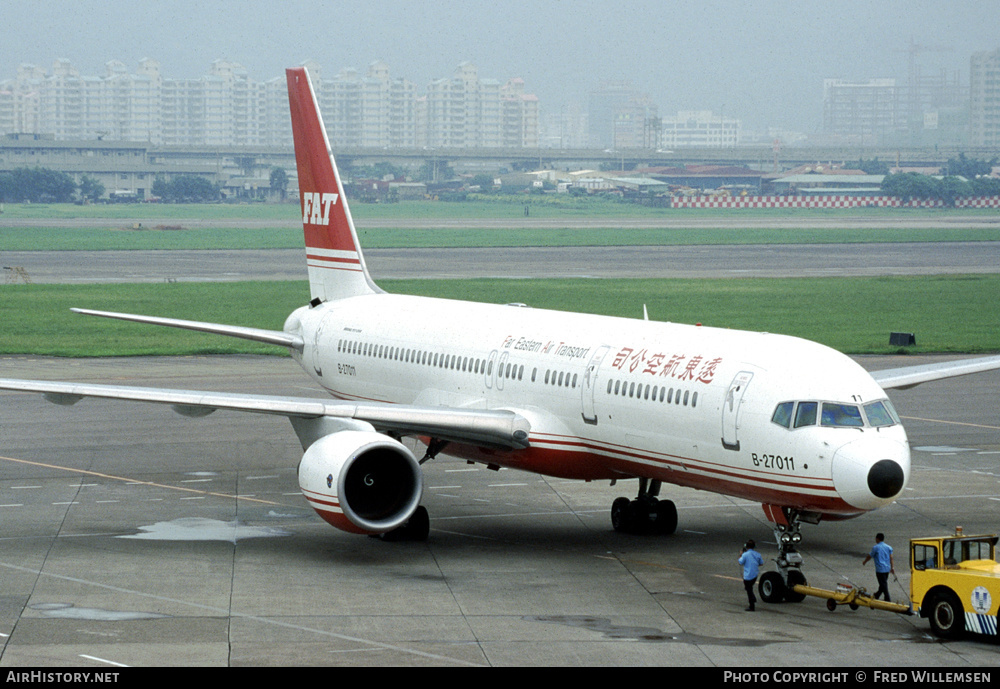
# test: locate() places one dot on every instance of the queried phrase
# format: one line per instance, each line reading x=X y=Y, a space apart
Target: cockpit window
x=881 y=414
x=834 y=414
x=805 y=414
x=841 y=415
x=783 y=414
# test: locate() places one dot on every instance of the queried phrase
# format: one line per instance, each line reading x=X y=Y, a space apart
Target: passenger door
x=589 y=383
x=731 y=410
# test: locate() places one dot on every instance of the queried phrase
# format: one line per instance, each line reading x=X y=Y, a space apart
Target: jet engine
x=361 y=481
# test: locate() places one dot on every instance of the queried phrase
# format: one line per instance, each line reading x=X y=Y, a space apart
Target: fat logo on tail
x=333 y=254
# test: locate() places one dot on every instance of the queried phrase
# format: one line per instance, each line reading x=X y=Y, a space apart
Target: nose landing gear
x=775 y=587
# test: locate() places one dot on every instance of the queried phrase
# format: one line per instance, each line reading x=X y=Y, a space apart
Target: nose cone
x=886 y=478
x=869 y=473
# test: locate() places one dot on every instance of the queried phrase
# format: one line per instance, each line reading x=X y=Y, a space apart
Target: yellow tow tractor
x=954 y=583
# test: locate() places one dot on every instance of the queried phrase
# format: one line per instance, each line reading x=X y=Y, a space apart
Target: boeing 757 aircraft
x=790 y=423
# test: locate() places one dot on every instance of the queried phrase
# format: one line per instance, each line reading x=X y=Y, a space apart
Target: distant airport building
x=861 y=112
x=227 y=108
x=700 y=129
x=984 y=99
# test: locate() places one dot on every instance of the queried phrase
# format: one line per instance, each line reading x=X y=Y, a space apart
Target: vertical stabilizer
x=333 y=255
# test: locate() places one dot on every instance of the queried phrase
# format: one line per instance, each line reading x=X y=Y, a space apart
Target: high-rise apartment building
x=620 y=117
x=984 y=99
x=227 y=108
x=861 y=112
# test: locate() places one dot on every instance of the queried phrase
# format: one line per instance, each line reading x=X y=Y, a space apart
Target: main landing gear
x=775 y=587
x=645 y=514
x=418 y=526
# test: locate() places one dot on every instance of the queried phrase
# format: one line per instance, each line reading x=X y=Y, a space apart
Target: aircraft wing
x=492 y=427
x=908 y=376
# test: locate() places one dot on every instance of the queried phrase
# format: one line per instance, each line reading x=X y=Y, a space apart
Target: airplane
x=789 y=423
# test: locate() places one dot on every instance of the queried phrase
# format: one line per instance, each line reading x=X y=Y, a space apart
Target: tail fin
x=333 y=254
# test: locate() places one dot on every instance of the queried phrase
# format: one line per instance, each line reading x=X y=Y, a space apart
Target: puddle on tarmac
x=68 y=611
x=199 y=529
x=603 y=625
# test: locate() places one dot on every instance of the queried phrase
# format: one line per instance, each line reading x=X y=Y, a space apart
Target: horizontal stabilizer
x=275 y=337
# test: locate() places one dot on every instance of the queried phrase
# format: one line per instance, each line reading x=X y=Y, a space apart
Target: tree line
x=961 y=177
x=911 y=185
x=42 y=185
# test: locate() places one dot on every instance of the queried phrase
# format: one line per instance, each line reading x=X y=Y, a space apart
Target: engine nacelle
x=361 y=481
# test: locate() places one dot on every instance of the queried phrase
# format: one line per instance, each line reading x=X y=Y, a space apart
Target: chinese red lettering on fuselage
x=679 y=366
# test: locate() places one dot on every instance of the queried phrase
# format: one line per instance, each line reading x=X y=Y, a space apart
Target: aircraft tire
x=771 y=587
x=621 y=515
x=417 y=528
x=795 y=578
x=666 y=517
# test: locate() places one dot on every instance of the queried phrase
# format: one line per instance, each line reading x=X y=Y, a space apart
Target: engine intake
x=361 y=481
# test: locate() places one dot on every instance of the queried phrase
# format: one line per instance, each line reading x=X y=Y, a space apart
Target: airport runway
x=809 y=260
x=133 y=536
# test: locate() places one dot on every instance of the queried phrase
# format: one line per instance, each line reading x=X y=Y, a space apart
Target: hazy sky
x=763 y=62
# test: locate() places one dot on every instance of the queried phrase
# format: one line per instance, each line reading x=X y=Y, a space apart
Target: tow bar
x=851 y=597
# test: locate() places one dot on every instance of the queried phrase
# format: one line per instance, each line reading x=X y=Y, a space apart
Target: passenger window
x=805 y=414
x=783 y=414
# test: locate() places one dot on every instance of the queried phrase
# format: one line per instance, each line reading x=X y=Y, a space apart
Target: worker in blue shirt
x=751 y=561
x=881 y=552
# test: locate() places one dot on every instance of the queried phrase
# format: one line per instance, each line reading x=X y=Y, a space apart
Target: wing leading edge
x=909 y=376
x=489 y=427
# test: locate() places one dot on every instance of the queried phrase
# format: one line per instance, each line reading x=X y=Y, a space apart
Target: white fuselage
x=615 y=398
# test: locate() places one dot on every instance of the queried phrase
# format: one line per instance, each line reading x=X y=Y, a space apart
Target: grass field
x=163 y=226
x=853 y=315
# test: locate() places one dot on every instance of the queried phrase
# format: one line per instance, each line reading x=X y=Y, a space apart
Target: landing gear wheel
x=646 y=513
x=771 y=587
x=666 y=517
x=417 y=528
x=795 y=578
x=621 y=515
x=947 y=616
